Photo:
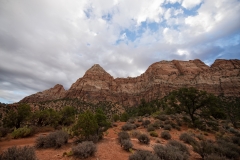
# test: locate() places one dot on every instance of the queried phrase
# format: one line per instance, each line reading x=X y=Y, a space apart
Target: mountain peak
x=96 y=69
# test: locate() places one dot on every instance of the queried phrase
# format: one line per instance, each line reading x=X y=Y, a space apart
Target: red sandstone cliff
x=223 y=77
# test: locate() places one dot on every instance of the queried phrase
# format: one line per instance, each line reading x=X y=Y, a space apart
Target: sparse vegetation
x=188 y=138
x=143 y=138
x=53 y=140
x=84 y=149
x=143 y=155
x=166 y=135
x=19 y=153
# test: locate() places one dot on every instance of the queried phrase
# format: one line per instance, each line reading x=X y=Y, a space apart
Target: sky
x=48 y=42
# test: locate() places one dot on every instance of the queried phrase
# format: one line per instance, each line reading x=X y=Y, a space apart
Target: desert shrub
x=135 y=133
x=150 y=128
x=146 y=123
x=84 y=149
x=188 y=138
x=20 y=153
x=143 y=138
x=236 y=140
x=162 y=117
x=143 y=155
x=52 y=140
x=128 y=127
x=178 y=128
x=169 y=152
x=4 y=131
x=166 y=135
x=94 y=138
x=116 y=117
x=137 y=125
x=182 y=147
x=153 y=134
x=167 y=122
x=228 y=149
x=140 y=120
x=22 y=132
x=131 y=120
x=126 y=144
x=156 y=124
x=167 y=127
x=204 y=148
x=215 y=157
x=123 y=136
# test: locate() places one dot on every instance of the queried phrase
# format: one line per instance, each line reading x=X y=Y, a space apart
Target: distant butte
x=222 y=77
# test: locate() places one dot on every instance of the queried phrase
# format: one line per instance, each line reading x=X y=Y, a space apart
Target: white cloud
x=47 y=42
x=189 y=4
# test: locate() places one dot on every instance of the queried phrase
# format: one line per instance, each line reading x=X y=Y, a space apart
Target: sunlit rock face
x=222 y=77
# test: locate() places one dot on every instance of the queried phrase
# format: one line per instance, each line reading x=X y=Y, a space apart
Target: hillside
x=222 y=77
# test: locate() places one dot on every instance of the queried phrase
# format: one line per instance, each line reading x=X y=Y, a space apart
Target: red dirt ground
x=107 y=149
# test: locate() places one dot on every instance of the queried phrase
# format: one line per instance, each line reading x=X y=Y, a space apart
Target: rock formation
x=222 y=77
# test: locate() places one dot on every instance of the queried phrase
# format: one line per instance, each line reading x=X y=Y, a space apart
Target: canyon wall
x=222 y=77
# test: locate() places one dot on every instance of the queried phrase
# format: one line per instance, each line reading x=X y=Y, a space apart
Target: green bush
x=52 y=140
x=143 y=138
x=20 y=153
x=188 y=138
x=162 y=117
x=153 y=134
x=166 y=135
x=22 y=132
x=84 y=149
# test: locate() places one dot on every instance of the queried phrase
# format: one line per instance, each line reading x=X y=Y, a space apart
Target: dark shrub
x=162 y=117
x=137 y=125
x=228 y=149
x=143 y=155
x=156 y=124
x=126 y=144
x=188 y=138
x=84 y=149
x=53 y=140
x=131 y=120
x=182 y=147
x=166 y=135
x=4 y=131
x=145 y=123
x=236 y=140
x=128 y=127
x=214 y=157
x=20 y=153
x=94 y=138
x=153 y=134
x=169 y=152
x=123 y=136
x=135 y=133
x=167 y=127
x=204 y=148
x=150 y=128
x=143 y=138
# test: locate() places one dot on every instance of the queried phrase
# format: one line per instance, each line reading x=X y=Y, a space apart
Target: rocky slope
x=222 y=77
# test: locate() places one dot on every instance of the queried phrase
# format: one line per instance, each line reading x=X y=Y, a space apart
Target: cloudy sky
x=46 y=42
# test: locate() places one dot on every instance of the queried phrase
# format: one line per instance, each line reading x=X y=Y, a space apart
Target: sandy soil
x=107 y=149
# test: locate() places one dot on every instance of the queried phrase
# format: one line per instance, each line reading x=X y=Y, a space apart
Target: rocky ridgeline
x=222 y=77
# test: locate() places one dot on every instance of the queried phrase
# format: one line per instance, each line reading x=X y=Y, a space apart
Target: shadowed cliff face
x=223 y=77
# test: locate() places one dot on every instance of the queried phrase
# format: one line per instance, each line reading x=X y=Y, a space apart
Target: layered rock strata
x=222 y=77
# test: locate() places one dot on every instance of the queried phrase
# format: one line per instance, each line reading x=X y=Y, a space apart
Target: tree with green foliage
x=231 y=106
x=67 y=115
x=46 y=117
x=192 y=101
x=15 y=118
x=86 y=125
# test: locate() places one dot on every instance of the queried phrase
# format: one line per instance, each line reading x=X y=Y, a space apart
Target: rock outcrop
x=222 y=77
